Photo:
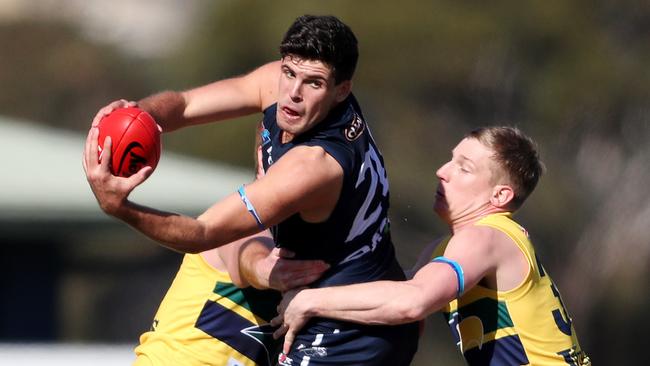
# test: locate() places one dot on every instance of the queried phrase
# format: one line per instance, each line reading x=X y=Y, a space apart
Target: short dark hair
x=324 y=38
x=517 y=157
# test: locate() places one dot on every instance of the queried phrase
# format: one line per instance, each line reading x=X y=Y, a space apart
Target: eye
x=462 y=167
x=316 y=84
x=289 y=74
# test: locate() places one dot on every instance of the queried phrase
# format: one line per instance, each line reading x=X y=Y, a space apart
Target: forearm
x=175 y=231
x=376 y=303
x=251 y=257
x=265 y=267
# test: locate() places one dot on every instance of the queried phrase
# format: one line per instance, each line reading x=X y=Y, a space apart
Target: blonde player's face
x=307 y=92
x=466 y=183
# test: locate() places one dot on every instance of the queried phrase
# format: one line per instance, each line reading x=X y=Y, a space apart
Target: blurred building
x=70 y=272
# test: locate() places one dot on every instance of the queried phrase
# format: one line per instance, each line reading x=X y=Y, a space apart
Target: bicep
x=436 y=286
x=304 y=180
x=473 y=252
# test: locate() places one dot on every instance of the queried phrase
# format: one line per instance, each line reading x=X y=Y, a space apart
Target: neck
x=461 y=222
x=287 y=137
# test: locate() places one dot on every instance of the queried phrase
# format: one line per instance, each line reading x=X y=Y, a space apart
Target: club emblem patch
x=355 y=128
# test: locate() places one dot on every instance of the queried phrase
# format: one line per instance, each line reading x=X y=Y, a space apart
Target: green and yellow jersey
x=527 y=325
x=205 y=319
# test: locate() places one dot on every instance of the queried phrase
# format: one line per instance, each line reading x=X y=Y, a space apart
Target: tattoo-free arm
x=381 y=302
x=305 y=180
x=220 y=100
x=392 y=302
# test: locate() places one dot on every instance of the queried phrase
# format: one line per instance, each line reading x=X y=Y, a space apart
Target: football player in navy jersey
x=324 y=193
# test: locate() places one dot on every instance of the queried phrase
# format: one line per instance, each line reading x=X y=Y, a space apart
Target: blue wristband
x=250 y=207
x=460 y=276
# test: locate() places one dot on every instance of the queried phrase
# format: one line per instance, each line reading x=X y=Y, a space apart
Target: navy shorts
x=329 y=343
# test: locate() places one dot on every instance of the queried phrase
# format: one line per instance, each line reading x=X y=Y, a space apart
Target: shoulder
x=309 y=160
x=477 y=239
x=266 y=79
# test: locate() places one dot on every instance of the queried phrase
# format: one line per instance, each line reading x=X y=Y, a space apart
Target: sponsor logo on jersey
x=266 y=136
x=313 y=351
x=355 y=128
x=283 y=360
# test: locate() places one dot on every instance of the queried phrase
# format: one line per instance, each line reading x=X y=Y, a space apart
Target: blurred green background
x=572 y=74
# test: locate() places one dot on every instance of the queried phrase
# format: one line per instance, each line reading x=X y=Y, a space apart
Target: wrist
x=167 y=108
x=115 y=208
x=309 y=304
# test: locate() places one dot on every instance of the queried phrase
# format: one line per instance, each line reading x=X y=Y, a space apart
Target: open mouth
x=290 y=113
x=440 y=193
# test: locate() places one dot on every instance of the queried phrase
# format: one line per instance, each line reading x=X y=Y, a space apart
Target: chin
x=293 y=127
x=441 y=210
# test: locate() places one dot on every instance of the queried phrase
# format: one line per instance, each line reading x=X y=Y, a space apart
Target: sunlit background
x=572 y=74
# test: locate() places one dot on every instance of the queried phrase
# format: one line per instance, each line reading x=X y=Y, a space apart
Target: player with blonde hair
x=485 y=277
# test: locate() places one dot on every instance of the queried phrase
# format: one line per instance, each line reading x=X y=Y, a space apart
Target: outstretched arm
x=392 y=302
x=374 y=303
x=305 y=180
x=220 y=100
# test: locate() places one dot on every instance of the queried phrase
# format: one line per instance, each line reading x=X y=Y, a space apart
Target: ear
x=502 y=195
x=343 y=90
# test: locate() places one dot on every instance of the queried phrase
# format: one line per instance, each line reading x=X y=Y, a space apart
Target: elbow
x=408 y=312
x=206 y=237
x=189 y=246
x=414 y=313
x=185 y=248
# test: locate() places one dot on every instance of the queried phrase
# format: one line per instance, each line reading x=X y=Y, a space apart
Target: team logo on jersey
x=355 y=128
x=470 y=333
x=262 y=334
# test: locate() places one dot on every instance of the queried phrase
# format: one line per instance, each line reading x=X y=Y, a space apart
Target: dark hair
x=324 y=38
x=516 y=155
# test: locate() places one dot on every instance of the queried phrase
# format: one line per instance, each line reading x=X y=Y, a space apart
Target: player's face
x=307 y=92
x=466 y=183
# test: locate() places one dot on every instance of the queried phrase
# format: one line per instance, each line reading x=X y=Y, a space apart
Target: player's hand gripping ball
x=135 y=140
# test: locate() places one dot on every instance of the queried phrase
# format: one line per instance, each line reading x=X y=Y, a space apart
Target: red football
x=135 y=137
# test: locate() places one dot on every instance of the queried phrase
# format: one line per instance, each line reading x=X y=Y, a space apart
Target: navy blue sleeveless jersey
x=355 y=240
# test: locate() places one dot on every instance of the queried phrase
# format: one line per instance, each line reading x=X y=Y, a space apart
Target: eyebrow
x=308 y=75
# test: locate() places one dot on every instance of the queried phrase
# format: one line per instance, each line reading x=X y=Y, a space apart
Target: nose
x=295 y=92
x=441 y=173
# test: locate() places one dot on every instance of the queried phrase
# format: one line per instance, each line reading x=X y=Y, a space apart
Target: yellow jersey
x=527 y=325
x=204 y=319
